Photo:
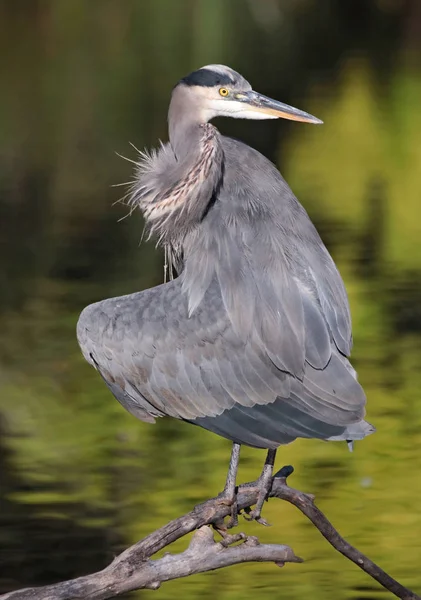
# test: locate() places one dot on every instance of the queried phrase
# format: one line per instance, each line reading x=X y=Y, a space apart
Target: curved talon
x=254 y=515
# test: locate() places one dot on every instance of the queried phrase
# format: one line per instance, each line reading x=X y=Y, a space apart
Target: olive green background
x=79 y=80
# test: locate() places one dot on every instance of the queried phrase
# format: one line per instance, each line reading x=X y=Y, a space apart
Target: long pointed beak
x=262 y=104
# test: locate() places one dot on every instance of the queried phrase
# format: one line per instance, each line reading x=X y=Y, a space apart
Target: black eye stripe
x=207 y=78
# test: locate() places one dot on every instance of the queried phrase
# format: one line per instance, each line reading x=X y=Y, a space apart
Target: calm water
x=80 y=477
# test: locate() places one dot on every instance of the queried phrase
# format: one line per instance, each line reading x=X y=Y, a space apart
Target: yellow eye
x=223 y=91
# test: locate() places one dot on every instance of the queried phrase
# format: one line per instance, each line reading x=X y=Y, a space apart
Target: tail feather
x=356 y=431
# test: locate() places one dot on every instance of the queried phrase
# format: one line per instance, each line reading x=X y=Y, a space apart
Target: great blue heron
x=251 y=339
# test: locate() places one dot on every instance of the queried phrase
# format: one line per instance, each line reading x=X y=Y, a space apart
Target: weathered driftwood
x=134 y=569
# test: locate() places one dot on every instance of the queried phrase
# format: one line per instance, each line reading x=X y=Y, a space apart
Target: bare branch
x=202 y=555
x=134 y=570
x=305 y=503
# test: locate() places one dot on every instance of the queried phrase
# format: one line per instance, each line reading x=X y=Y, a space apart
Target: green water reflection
x=80 y=477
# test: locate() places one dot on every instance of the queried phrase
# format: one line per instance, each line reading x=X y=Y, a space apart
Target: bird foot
x=254 y=515
x=228 y=499
x=264 y=485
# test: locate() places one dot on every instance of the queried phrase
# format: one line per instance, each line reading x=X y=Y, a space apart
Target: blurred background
x=81 y=478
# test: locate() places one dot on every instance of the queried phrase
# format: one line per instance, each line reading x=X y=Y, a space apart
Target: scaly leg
x=265 y=485
x=229 y=495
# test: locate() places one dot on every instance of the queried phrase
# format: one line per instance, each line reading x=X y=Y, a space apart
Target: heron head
x=218 y=91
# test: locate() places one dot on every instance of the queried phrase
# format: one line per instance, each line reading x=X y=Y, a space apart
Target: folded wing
x=159 y=361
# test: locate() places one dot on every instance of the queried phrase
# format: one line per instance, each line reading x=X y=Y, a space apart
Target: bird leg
x=264 y=484
x=229 y=494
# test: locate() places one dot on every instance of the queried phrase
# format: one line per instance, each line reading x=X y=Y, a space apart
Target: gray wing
x=278 y=282
x=157 y=360
x=324 y=280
